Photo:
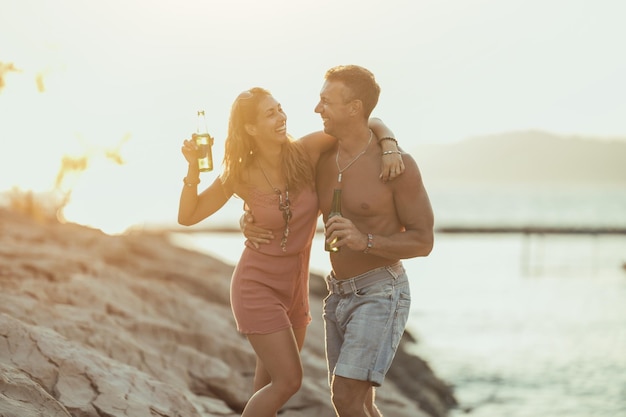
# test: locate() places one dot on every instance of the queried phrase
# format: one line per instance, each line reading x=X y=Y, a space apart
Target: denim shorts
x=364 y=326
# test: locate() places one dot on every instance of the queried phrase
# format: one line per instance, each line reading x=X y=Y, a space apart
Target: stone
x=133 y=325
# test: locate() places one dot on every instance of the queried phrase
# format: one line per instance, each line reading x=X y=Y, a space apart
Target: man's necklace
x=353 y=161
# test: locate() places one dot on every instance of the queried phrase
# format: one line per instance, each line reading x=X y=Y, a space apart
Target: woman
x=274 y=175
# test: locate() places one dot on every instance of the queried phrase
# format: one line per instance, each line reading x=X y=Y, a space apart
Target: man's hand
x=346 y=233
x=256 y=235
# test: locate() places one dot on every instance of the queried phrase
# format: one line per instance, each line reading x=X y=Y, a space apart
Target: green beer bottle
x=204 y=141
x=335 y=210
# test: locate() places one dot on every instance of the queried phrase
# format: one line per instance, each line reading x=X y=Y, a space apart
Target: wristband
x=388 y=138
x=190 y=184
x=370 y=243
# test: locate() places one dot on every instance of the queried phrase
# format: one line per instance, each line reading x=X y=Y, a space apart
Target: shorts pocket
x=401 y=316
x=380 y=289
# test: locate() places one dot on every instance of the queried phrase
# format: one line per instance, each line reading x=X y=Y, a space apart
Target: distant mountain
x=528 y=157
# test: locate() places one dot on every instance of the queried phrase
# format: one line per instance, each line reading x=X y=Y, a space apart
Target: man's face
x=332 y=107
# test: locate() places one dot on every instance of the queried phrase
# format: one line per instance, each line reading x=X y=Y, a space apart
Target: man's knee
x=348 y=395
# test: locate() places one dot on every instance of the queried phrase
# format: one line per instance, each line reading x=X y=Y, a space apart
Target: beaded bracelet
x=370 y=243
x=388 y=138
x=392 y=152
x=190 y=184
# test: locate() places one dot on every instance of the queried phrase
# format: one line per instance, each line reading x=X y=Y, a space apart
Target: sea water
x=521 y=326
x=546 y=340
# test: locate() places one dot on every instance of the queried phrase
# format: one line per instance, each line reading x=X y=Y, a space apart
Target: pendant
x=339 y=177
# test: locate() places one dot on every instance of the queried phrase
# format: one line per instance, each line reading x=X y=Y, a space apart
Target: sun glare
x=44 y=150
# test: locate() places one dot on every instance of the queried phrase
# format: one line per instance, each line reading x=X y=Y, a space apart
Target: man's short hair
x=360 y=82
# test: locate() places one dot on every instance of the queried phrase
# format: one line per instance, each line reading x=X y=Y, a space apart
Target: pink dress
x=270 y=288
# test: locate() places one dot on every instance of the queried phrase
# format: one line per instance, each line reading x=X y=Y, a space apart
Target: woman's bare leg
x=280 y=359
x=300 y=335
x=261 y=377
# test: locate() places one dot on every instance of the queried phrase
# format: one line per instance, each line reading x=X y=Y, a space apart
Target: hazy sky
x=449 y=69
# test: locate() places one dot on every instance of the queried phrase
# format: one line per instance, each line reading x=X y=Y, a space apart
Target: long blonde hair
x=239 y=153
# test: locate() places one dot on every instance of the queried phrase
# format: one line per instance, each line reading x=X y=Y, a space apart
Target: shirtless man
x=381 y=223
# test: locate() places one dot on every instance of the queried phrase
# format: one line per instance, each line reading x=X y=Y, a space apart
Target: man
x=369 y=298
x=368 y=304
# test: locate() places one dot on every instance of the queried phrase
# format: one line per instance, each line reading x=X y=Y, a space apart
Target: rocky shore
x=93 y=325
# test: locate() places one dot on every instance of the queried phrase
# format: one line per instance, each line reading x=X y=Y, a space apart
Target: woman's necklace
x=284 y=205
x=353 y=161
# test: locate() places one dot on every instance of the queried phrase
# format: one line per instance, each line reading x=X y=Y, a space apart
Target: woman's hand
x=392 y=166
x=190 y=150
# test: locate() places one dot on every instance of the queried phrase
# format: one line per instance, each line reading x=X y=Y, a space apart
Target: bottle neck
x=201 y=127
x=335 y=206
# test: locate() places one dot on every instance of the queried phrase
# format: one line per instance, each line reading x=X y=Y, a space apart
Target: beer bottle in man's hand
x=335 y=210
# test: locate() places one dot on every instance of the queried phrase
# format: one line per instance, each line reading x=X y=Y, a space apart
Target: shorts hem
x=275 y=330
x=270 y=331
x=359 y=374
x=302 y=325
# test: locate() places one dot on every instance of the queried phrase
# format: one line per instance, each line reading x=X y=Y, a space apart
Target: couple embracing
x=286 y=184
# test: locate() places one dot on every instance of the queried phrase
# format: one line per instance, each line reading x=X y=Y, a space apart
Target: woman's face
x=271 y=122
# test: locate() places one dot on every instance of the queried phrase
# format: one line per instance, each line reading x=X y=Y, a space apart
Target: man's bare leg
x=370 y=405
x=349 y=397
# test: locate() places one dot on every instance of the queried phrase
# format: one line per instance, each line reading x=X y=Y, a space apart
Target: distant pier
x=534 y=230
x=528 y=230
x=539 y=232
x=532 y=256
